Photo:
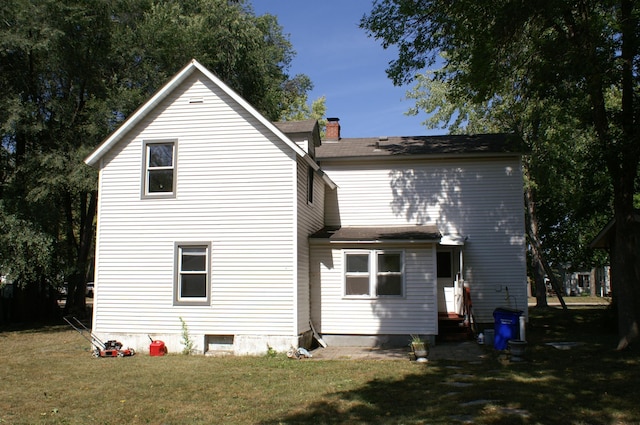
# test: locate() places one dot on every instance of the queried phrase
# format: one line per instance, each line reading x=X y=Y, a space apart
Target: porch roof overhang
x=386 y=234
x=604 y=239
x=453 y=239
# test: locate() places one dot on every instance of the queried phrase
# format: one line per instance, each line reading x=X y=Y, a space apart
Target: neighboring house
x=605 y=239
x=594 y=282
x=249 y=231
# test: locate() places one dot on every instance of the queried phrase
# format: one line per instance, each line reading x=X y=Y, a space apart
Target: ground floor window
x=373 y=273
x=192 y=281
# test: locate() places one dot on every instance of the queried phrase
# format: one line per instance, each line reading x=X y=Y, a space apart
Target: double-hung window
x=159 y=168
x=192 y=281
x=373 y=273
x=357 y=278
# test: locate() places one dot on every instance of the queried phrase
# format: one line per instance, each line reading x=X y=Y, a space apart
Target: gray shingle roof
x=305 y=126
x=449 y=145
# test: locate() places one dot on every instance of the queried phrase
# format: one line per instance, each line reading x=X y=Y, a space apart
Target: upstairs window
x=160 y=169
x=373 y=273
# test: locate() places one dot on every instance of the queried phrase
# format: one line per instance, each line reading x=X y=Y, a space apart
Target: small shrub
x=186 y=338
x=271 y=352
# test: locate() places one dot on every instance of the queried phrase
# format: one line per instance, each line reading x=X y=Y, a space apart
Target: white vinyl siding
x=234 y=190
x=481 y=199
x=335 y=314
x=310 y=220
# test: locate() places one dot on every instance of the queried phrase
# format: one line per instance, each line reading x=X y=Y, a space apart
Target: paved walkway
x=468 y=351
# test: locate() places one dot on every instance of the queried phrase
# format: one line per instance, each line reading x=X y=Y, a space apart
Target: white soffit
x=453 y=239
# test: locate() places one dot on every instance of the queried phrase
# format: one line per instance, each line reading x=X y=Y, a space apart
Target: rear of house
x=412 y=223
x=248 y=231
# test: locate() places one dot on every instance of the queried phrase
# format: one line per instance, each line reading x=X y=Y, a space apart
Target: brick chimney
x=332 y=131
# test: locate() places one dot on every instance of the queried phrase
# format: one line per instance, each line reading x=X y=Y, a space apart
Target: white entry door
x=446 y=281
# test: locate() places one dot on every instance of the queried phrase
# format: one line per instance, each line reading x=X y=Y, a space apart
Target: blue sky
x=345 y=66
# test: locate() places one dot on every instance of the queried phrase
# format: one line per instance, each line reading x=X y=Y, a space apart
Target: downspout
x=461 y=272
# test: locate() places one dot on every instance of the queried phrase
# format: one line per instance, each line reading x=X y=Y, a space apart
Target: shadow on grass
x=53 y=324
x=587 y=384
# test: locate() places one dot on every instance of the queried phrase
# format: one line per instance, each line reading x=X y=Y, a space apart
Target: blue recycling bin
x=506 y=326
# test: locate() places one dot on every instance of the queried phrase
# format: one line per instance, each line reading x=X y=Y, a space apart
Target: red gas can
x=157 y=348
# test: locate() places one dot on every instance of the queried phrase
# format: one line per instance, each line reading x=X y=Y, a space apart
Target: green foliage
x=552 y=73
x=571 y=191
x=271 y=352
x=71 y=73
x=249 y=53
x=25 y=251
x=186 y=338
x=296 y=103
x=299 y=110
x=567 y=66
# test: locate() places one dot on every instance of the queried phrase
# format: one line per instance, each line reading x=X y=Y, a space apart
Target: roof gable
x=144 y=110
x=306 y=127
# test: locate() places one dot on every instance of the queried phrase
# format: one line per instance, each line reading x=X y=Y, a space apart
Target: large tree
x=70 y=72
x=565 y=196
x=560 y=52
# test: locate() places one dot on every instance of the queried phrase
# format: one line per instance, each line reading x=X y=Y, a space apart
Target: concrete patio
x=468 y=351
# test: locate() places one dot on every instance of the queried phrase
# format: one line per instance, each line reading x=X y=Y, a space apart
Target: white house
x=249 y=231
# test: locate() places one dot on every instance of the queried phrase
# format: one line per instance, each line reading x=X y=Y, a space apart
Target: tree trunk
x=538 y=276
x=540 y=265
x=624 y=275
x=76 y=299
x=624 y=171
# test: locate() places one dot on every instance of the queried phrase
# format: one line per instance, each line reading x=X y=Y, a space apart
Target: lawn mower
x=111 y=348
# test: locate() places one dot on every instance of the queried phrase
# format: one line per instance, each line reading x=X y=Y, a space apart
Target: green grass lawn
x=49 y=377
x=575 y=300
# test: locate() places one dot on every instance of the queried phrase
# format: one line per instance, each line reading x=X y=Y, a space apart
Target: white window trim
x=145 y=168
x=373 y=273
x=195 y=301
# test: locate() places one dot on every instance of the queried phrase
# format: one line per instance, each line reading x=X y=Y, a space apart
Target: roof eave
x=317 y=241
x=406 y=157
x=332 y=185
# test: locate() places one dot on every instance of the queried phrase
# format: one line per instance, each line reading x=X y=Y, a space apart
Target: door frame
x=450 y=301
